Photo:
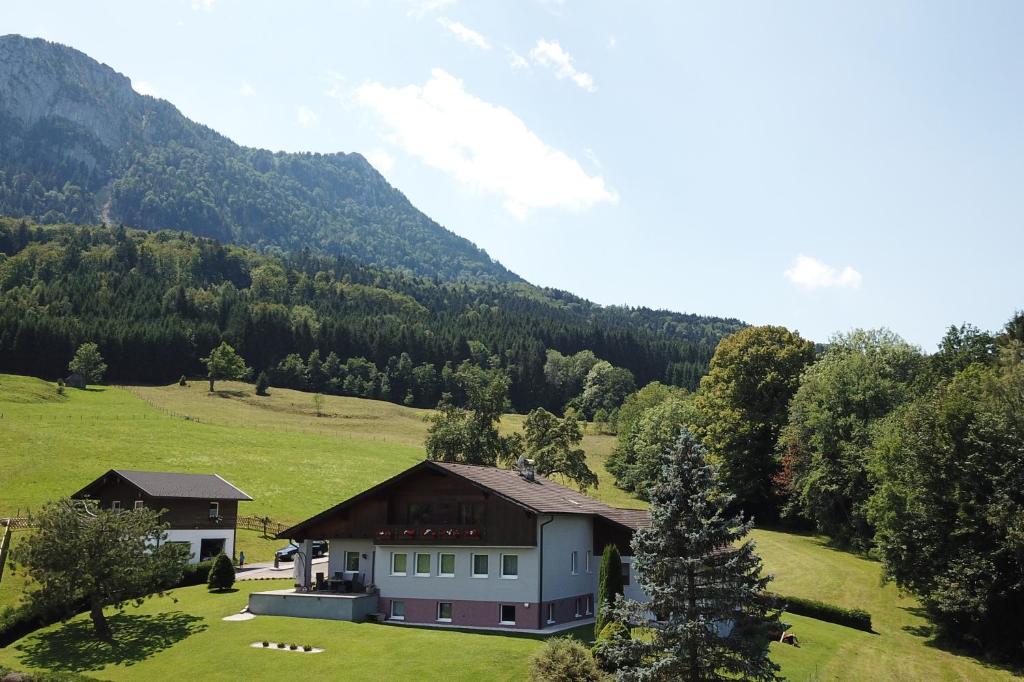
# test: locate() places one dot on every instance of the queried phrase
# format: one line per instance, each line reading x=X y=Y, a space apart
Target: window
x=510 y=566
x=579 y=606
x=590 y=604
x=351 y=561
x=551 y=613
x=480 y=566
x=115 y=505
x=398 y=564
x=444 y=611
x=625 y=573
x=508 y=614
x=423 y=565
x=420 y=513
x=590 y=556
x=574 y=563
x=446 y=565
x=139 y=504
x=397 y=609
x=214 y=510
x=210 y=547
x=471 y=513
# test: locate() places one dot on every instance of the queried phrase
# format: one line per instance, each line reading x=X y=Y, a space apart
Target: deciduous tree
x=77 y=554
x=224 y=363
x=89 y=363
x=554 y=446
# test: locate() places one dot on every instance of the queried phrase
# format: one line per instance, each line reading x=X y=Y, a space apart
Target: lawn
x=186 y=638
x=901 y=647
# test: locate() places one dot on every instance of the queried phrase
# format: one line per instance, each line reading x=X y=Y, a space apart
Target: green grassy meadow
x=295 y=463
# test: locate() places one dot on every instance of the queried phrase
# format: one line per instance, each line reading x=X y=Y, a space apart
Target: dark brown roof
x=541 y=495
x=171 y=484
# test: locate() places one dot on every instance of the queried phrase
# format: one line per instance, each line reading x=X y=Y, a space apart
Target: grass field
x=295 y=463
x=187 y=639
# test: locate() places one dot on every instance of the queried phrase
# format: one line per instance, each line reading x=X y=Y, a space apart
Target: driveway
x=265 y=569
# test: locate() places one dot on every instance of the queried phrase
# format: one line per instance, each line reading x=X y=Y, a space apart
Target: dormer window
x=115 y=505
x=139 y=504
x=214 y=510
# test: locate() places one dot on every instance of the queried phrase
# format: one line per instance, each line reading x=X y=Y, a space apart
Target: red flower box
x=409 y=533
x=453 y=533
x=384 y=534
x=429 y=533
x=472 y=533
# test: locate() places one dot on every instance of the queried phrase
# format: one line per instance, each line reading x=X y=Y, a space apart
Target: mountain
x=79 y=145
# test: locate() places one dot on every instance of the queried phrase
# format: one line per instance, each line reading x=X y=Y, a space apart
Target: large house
x=462 y=546
x=201 y=509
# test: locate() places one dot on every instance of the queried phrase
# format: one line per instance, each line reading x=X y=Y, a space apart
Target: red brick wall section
x=486 y=613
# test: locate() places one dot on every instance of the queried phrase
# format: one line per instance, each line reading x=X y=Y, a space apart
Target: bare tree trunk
x=99 y=622
x=211 y=384
x=691 y=584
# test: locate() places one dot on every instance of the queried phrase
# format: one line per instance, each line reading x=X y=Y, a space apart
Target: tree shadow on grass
x=229 y=393
x=74 y=646
x=934 y=638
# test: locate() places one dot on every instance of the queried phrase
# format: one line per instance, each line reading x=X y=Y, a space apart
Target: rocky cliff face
x=77 y=144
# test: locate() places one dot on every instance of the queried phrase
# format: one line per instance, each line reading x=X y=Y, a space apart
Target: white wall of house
x=196 y=537
x=338 y=551
x=633 y=590
x=564 y=535
x=463 y=585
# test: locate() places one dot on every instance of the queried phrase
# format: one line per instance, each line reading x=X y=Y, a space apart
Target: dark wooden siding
x=608 y=533
x=180 y=513
x=435 y=501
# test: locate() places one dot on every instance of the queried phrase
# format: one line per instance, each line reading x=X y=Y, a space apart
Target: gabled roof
x=541 y=495
x=172 y=484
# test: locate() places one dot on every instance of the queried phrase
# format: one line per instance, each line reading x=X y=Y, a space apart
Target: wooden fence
x=16 y=523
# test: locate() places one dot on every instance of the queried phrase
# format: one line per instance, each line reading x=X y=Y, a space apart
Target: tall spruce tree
x=609 y=584
x=712 y=616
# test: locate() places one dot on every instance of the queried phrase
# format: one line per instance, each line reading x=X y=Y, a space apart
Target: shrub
x=563 y=659
x=858 y=619
x=293 y=647
x=60 y=387
x=262 y=384
x=266 y=643
x=281 y=645
x=222 y=575
x=196 y=574
x=306 y=647
x=612 y=631
x=183 y=381
x=609 y=584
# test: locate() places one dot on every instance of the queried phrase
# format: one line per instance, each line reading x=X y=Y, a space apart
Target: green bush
x=563 y=659
x=222 y=575
x=196 y=574
x=613 y=630
x=262 y=384
x=858 y=619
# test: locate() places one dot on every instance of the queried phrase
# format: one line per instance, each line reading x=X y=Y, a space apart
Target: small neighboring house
x=462 y=546
x=75 y=380
x=201 y=508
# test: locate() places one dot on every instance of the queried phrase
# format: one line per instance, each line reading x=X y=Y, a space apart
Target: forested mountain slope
x=157 y=302
x=79 y=145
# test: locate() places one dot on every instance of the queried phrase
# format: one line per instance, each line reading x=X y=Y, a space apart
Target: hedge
x=858 y=619
x=196 y=574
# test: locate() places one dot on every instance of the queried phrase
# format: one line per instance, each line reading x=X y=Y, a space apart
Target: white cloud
x=306 y=117
x=205 y=5
x=551 y=55
x=145 y=88
x=517 y=61
x=811 y=273
x=381 y=160
x=465 y=33
x=612 y=42
x=246 y=90
x=482 y=145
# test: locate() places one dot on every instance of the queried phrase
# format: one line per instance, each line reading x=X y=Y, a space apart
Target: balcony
x=441 y=534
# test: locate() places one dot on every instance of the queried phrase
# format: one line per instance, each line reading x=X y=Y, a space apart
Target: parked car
x=288 y=553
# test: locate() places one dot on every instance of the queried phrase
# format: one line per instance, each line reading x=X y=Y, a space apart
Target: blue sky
x=818 y=165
